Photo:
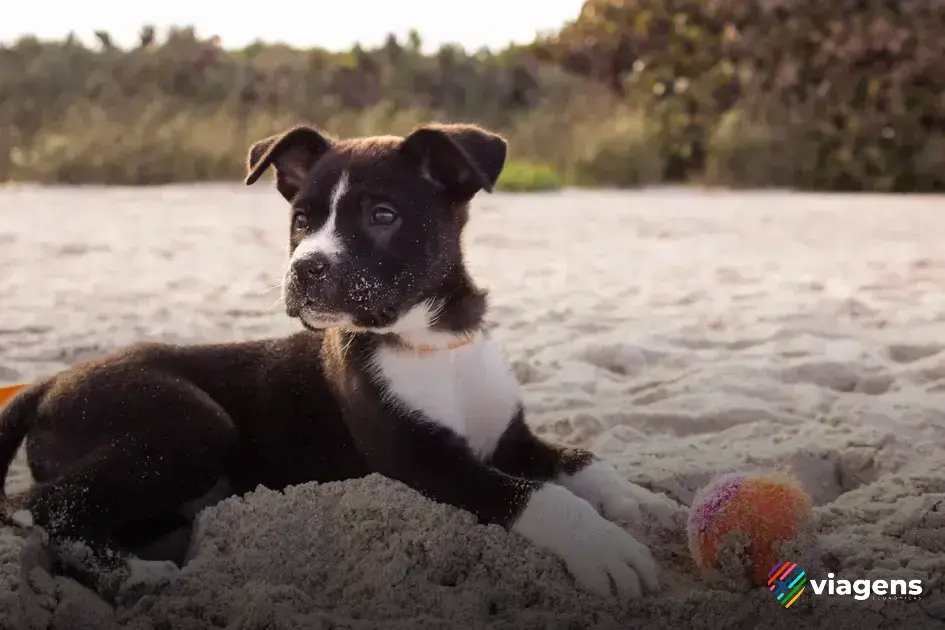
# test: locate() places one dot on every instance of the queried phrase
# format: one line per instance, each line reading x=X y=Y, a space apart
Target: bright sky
x=332 y=24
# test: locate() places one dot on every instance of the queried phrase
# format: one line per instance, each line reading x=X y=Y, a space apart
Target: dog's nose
x=311 y=267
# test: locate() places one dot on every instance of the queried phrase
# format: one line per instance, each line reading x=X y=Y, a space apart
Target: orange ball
x=743 y=524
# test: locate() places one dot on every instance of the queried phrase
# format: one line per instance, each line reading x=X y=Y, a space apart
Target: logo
x=787 y=581
x=862 y=589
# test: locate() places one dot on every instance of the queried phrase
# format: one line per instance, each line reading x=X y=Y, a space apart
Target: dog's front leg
x=437 y=463
x=521 y=452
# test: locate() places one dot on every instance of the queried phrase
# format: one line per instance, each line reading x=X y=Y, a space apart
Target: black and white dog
x=394 y=374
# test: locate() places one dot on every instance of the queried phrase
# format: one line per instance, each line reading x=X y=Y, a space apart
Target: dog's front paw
x=145 y=577
x=617 y=498
x=600 y=555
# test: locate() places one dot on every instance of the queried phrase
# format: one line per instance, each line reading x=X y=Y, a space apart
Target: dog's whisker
x=344 y=350
x=270 y=289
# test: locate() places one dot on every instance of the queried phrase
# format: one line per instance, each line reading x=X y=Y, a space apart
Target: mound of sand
x=680 y=335
x=373 y=554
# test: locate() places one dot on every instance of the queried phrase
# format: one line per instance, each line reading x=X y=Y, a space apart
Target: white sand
x=679 y=334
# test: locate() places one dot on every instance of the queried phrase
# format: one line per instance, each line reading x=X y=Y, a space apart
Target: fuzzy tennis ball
x=742 y=524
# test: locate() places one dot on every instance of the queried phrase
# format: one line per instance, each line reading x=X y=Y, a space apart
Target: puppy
x=393 y=373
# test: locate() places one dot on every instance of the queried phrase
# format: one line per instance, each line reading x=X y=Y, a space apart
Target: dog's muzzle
x=308 y=285
x=311 y=269
x=319 y=288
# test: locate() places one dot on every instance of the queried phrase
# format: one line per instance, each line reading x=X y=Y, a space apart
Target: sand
x=679 y=334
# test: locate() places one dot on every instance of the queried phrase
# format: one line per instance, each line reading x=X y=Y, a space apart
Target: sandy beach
x=679 y=334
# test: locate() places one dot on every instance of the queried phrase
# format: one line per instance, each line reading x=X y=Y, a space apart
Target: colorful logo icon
x=787 y=581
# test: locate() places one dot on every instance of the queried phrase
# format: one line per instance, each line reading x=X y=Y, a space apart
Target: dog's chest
x=469 y=390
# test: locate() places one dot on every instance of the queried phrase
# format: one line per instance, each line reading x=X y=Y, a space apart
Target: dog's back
x=281 y=379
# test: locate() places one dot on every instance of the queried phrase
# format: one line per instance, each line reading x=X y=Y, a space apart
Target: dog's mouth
x=381 y=318
x=314 y=317
x=329 y=309
x=322 y=320
x=335 y=305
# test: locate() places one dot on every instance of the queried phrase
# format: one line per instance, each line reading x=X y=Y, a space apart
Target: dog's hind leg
x=175 y=451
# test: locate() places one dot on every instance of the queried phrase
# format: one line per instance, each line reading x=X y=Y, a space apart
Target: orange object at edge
x=9 y=391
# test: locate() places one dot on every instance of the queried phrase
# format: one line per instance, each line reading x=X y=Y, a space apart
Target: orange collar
x=426 y=349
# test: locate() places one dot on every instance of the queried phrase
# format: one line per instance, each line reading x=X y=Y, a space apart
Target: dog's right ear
x=460 y=158
x=292 y=154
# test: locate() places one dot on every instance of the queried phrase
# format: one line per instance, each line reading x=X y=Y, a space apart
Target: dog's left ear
x=462 y=159
x=293 y=154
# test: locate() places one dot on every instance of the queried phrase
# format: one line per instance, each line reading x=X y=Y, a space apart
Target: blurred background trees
x=842 y=95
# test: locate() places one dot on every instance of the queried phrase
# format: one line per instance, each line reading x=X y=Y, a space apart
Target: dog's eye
x=382 y=215
x=299 y=221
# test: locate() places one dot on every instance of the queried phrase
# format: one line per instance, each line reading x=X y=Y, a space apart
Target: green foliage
x=862 y=80
x=527 y=177
x=184 y=109
x=628 y=155
x=745 y=152
x=847 y=95
x=663 y=57
x=844 y=95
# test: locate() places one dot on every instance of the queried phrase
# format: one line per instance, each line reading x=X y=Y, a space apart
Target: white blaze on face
x=326 y=239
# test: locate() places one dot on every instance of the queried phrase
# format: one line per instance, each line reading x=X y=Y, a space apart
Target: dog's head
x=376 y=223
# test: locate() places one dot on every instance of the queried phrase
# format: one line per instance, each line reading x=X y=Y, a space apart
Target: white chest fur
x=469 y=389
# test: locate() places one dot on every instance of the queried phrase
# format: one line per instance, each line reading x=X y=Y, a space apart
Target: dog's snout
x=311 y=267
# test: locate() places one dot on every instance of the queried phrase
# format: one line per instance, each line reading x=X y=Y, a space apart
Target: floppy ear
x=292 y=153
x=462 y=159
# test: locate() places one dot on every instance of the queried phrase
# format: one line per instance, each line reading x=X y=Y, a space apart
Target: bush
x=166 y=145
x=860 y=79
x=628 y=155
x=852 y=89
x=527 y=177
x=744 y=152
x=808 y=94
x=185 y=109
